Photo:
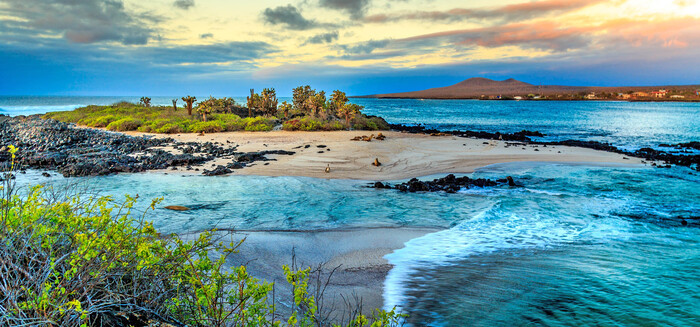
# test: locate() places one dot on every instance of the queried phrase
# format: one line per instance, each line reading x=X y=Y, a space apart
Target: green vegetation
x=90 y=261
x=130 y=117
x=309 y=111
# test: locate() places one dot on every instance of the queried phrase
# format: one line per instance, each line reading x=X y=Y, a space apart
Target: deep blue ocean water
x=579 y=245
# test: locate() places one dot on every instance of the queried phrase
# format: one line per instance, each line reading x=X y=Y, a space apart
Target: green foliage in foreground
x=124 y=117
x=74 y=261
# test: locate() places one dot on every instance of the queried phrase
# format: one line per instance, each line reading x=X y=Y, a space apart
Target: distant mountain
x=478 y=86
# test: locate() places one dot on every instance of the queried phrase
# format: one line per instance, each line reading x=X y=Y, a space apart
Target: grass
x=124 y=116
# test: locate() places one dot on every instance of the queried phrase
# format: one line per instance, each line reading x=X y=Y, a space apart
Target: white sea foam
x=31 y=110
x=492 y=230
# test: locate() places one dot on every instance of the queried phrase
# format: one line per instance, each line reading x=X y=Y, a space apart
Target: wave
x=31 y=110
x=493 y=230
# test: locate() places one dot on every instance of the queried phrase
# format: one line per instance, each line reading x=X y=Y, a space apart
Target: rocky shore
x=681 y=157
x=72 y=151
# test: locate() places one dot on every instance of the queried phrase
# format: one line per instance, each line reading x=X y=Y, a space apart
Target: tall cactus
x=189 y=100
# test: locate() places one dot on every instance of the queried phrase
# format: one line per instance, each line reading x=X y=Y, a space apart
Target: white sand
x=402 y=155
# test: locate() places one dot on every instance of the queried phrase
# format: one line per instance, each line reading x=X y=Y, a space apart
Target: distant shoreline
x=481 y=99
x=511 y=89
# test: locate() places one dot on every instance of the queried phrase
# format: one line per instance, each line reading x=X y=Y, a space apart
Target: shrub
x=170 y=129
x=102 y=121
x=124 y=124
x=303 y=124
x=334 y=125
x=74 y=261
x=258 y=124
x=207 y=127
x=371 y=123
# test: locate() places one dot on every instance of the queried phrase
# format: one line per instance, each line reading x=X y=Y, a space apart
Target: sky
x=225 y=47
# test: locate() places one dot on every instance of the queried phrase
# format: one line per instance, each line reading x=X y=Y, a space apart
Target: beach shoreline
x=354 y=256
x=402 y=155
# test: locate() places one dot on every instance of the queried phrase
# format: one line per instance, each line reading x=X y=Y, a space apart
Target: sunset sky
x=223 y=47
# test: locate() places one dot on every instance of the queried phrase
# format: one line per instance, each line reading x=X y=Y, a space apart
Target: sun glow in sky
x=364 y=46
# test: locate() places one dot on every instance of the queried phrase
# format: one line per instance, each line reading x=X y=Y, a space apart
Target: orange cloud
x=518 y=11
x=550 y=35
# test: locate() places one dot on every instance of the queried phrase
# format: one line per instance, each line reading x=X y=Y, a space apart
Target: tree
x=224 y=104
x=349 y=111
x=338 y=100
x=268 y=101
x=174 y=104
x=189 y=100
x=285 y=108
x=300 y=98
x=207 y=107
x=317 y=102
x=253 y=102
x=145 y=101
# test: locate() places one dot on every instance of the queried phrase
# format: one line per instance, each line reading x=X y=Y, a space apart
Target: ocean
x=578 y=245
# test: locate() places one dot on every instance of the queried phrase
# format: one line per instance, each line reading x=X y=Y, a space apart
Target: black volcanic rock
x=72 y=151
x=449 y=184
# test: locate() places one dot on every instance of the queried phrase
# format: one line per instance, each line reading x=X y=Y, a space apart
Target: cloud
x=206 y=36
x=205 y=54
x=87 y=21
x=364 y=47
x=356 y=8
x=323 y=38
x=541 y=35
x=289 y=16
x=514 y=12
x=558 y=37
x=184 y=4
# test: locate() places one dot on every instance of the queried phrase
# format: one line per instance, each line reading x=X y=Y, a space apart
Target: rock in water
x=219 y=170
x=449 y=184
x=177 y=208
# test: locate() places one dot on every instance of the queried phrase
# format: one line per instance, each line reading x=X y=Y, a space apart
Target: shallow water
x=577 y=245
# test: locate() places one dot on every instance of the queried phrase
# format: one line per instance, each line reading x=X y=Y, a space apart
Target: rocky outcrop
x=72 y=151
x=449 y=184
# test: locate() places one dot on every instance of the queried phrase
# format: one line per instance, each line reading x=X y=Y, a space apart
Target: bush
x=207 y=127
x=124 y=124
x=258 y=124
x=303 y=124
x=334 y=125
x=102 y=121
x=372 y=123
x=170 y=129
x=73 y=261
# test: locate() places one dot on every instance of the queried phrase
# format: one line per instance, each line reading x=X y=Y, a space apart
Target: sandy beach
x=402 y=155
x=355 y=256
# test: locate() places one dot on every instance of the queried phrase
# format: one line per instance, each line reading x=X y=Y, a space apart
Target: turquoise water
x=629 y=125
x=579 y=245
